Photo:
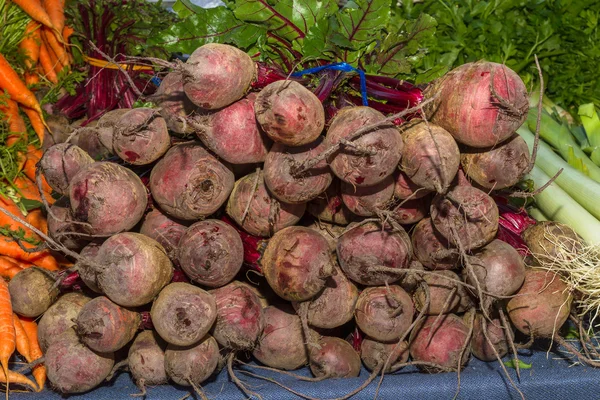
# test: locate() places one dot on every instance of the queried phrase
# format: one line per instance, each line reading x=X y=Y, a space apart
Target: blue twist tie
x=156 y=80
x=344 y=67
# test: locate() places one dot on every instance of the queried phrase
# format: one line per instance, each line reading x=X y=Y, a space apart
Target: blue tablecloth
x=551 y=377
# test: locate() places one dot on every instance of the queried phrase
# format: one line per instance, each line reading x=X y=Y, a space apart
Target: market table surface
x=551 y=376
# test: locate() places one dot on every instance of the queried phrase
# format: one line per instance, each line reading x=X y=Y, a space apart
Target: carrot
x=34 y=9
x=62 y=59
x=39 y=371
x=10 y=81
x=30 y=46
x=7 y=328
x=27 y=188
x=16 y=124
x=18 y=263
x=22 y=342
x=67 y=32
x=8 y=268
x=56 y=12
x=37 y=219
x=5 y=220
x=17 y=378
x=36 y=122
x=46 y=63
x=42 y=259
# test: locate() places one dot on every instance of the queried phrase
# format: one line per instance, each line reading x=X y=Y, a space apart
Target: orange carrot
x=36 y=122
x=8 y=268
x=56 y=12
x=11 y=207
x=56 y=49
x=29 y=170
x=39 y=371
x=7 y=328
x=34 y=9
x=18 y=379
x=16 y=123
x=10 y=81
x=18 y=263
x=30 y=46
x=42 y=259
x=46 y=63
x=67 y=32
x=22 y=342
x=37 y=219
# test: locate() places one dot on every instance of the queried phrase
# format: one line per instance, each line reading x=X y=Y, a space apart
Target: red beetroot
x=32 y=291
x=431 y=248
x=215 y=75
x=489 y=107
x=146 y=359
x=375 y=354
x=239 y=316
x=365 y=201
x=189 y=183
x=60 y=163
x=284 y=185
x=106 y=124
x=265 y=214
x=134 y=270
x=497 y=168
x=192 y=365
x=480 y=347
x=109 y=197
x=89 y=140
x=450 y=333
x=165 y=230
x=289 y=113
x=174 y=104
x=365 y=169
x=411 y=211
x=334 y=359
x=281 y=344
x=87 y=272
x=367 y=246
x=233 y=133
x=211 y=253
x=105 y=327
x=297 y=262
x=329 y=231
x=63 y=228
x=444 y=295
x=542 y=305
x=430 y=157
x=405 y=188
x=182 y=314
x=329 y=206
x=141 y=136
x=60 y=317
x=384 y=313
x=465 y=214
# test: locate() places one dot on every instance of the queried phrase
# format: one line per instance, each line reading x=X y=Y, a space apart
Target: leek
x=580 y=187
x=591 y=123
x=536 y=214
x=559 y=206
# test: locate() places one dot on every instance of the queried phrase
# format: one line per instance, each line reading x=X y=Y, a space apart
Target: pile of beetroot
x=354 y=223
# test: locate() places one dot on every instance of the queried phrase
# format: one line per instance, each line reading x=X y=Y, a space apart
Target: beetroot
x=363 y=248
x=104 y=326
x=430 y=157
x=59 y=132
x=105 y=126
x=284 y=185
x=239 y=316
x=365 y=201
x=281 y=344
x=330 y=207
x=32 y=291
x=193 y=364
x=211 y=252
x=134 y=269
x=375 y=354
x=497 y=168
x=334 y=359
x=411 y=211
x=489 y=107
x=63 y=228
x=542 y=305
x=174 y=104
x=450 y=333
x=499 y=268
x=431 y=248
x=369 y=169
x=87 y=272
x=442 y=292
x=265 y=214
x=188 y=183
x=480 y=347
x=165 y=230
x=384 y=313
x=215 y=75
x=297 y=262
x=329 y=231
x=146 y=359
x=465 y=214
x=88 y=139
x=542 y=238
x=233 y=133
x=289 y=113
x=60 y=317
x=109 y=197
x=141 y=136
x=334 y=306
x=74 y=368
x=60 y=163
x=405 y=188
x=182 y=314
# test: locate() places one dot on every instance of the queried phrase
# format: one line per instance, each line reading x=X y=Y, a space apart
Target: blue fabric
x=344 y=67
x=550 y=377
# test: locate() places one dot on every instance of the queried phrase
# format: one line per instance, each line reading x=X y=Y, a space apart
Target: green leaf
x=572 y=333
x=185 y=8
x=591 y=123
x=30 y=204
x=522 y=365
x=287 y=19
x=213 y=25
x=361 y=23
